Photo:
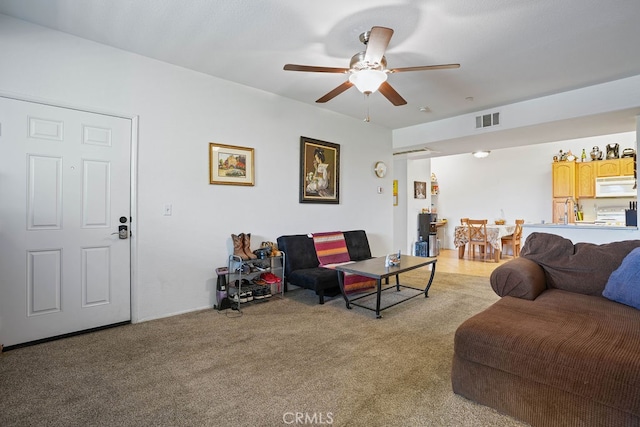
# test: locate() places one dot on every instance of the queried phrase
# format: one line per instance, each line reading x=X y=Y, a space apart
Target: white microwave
x=616 y=186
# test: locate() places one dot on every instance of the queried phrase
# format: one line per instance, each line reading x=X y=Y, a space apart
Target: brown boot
x=238 y=246
x=247 y=246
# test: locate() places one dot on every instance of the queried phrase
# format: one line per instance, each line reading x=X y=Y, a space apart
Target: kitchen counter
x=584 y=232
x=579 y=225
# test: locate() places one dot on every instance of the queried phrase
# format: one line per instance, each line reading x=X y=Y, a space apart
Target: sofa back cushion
x=357 y=244
x=583 y=268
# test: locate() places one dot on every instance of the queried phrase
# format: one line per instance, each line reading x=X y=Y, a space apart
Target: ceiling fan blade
x=425 y=68
x=335 y=92
x=379 y=38
x=311 y=68
x=391 y=94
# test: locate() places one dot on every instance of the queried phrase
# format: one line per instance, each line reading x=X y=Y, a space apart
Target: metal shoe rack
x=239 y=270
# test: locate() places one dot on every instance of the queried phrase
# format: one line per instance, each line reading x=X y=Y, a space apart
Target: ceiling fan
x=368 y=70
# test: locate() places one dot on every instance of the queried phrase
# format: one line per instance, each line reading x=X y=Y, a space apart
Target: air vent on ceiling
x=417 y=150
x=487 y=120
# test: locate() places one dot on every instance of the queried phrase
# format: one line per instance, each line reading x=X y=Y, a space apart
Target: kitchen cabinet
x=558 y=210
x=576 y=180
x=586 y=180
x=615 y=167
x=564 y=179
x=609 y=167
x=626 y=166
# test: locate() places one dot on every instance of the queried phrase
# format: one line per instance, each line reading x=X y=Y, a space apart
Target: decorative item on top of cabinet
x=561 y=156
x=596 y=154
x=613 y=151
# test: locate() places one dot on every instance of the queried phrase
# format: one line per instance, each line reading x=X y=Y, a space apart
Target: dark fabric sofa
x=553 y=351
x=302 y=265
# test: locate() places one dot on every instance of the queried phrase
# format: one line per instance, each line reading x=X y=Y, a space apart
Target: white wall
x=180 y=112
x=516 y=181
x=417 y=170
x=400 y=210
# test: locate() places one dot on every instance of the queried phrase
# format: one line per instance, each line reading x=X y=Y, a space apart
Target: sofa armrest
x=520 y=278
x=300 y=252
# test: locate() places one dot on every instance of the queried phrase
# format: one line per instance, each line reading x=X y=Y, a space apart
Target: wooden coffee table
x=376 y=269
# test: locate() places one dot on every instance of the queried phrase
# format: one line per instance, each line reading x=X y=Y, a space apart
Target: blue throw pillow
x=624 y=283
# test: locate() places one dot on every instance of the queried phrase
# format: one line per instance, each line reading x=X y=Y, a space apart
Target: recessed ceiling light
x=480 y=154
x=469 y=98
x=424 y=109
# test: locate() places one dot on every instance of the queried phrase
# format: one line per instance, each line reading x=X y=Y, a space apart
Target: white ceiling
x=509 y=50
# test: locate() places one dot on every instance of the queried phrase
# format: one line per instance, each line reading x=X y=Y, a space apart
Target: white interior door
x=64 y=187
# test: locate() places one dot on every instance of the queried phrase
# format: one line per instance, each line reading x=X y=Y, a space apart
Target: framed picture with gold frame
x=231 y=165
x=319 y=171
x=419 y=190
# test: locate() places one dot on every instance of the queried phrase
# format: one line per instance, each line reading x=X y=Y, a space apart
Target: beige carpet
x=282 y=359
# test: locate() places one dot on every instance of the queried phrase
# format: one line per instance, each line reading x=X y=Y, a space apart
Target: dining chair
x=514 y=240
x=462 y=248
x=477 y=237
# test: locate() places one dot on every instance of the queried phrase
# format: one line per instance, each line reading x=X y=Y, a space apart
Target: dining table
x=495 y=233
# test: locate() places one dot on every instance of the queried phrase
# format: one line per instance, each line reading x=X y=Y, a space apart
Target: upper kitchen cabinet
x=609 y=167
x=626 y=166
x=586 y=180
x=564 y=179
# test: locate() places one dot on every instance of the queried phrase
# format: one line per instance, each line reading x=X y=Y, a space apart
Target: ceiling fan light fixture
x=368 y=81
x=481 y=154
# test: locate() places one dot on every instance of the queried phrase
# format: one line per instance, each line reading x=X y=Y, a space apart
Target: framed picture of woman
x=419 y=190
x=319 y=171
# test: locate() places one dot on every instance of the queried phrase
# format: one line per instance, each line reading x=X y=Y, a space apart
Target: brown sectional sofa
x=553 y=351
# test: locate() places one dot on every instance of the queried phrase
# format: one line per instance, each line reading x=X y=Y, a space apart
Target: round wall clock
x=380 y=169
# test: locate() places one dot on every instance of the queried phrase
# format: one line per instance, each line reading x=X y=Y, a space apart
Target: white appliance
x=616 y=186
x=612 y=215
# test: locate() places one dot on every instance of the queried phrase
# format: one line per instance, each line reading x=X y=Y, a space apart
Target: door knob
x=123 y=232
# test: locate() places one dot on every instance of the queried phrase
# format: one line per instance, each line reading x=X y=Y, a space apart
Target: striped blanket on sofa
x=332 y=251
